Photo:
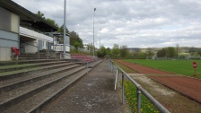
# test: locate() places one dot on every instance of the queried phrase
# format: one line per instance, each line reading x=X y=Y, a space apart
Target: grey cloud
x=135 y=23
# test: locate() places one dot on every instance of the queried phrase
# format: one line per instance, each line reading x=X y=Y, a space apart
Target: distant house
x=22 y=29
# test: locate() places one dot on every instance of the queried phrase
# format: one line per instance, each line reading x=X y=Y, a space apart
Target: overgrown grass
x=131 y=97
x=183 y=67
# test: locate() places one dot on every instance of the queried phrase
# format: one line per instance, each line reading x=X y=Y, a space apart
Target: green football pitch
x=183 y=67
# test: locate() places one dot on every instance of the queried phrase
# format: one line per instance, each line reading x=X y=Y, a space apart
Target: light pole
x=100 y=37
x=64 y=28
x=93 y=32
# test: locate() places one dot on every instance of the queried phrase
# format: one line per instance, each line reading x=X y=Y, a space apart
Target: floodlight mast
x=93 y=33
x=64 y=30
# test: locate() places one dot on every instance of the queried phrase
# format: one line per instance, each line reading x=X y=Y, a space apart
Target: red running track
x=187 y=86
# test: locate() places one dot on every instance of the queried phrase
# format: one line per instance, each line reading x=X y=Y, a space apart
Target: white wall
x=5 y=54
x=32 y=47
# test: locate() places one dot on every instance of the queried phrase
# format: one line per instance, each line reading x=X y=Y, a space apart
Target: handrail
x=140 y=89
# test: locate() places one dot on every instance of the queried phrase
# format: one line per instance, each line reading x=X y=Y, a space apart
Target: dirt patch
x=153 y=85
x=173 y=101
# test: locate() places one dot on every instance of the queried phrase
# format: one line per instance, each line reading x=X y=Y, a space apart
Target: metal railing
x=140 y=90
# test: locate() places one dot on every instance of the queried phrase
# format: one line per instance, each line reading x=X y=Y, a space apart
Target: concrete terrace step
x=38 y=100
x=26 y=61
x=94 y=93
x=13 y=74
x=24 y=66
x=93 y=64
x=10 y=84
x=18 y=94
x=29 y=58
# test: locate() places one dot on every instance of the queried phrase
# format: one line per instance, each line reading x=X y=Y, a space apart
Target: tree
x=161 y=53
x=124 y=51
x=142 y=55
x=171 y=52
x=76 y=45
x=101 y=52
x=48 y=20
x=115 y=51
x=60 y=30
x=90 y=47
x=75 y=38
x=108 y=51
x=52 y=22
x=199 y=52
x=149 y=52
x=40 y=14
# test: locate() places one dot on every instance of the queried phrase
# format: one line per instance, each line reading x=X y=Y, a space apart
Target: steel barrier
x=115 y=69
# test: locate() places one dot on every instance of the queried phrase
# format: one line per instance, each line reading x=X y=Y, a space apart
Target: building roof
x=27 y=17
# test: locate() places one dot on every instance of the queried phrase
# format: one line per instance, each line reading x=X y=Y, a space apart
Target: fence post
x=116 y=79
x=123 y=88
x=111 y=65
x=138 y=100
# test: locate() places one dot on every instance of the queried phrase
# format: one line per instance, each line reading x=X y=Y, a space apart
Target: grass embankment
x=183 y=67
x=131 y=95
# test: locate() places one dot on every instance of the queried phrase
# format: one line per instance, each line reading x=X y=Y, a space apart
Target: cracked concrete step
x=41 y=99
x=6 y=68
x=13 y=74
x=17 y=95
x=10 y=84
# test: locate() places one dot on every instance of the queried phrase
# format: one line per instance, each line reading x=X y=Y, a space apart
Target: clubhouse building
x=22 y=30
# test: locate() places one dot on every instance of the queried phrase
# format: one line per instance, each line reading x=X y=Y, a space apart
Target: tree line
x=167 y=52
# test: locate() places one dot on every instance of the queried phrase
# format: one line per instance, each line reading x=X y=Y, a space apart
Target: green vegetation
x=183 y=67
x=146 y=105
x=131 y=95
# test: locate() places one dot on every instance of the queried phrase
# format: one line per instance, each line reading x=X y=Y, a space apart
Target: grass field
x=183 y=67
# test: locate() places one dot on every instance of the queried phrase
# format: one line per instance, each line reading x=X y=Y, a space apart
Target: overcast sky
x=135 y=23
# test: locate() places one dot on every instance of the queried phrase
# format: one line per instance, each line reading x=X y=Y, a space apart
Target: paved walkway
x=92 y=94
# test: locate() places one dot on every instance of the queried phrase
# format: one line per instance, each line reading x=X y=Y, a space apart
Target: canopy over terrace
x=27 y=18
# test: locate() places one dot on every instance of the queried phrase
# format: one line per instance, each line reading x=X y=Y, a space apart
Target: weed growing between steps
x=131 y=97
